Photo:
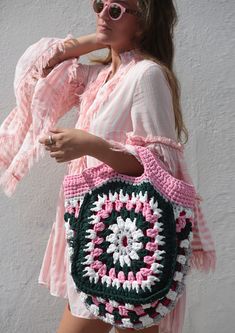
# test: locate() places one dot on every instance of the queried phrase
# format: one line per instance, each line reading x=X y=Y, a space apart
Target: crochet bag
x=129 y=240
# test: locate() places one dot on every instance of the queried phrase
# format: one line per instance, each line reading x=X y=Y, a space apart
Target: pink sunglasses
x=115 y=10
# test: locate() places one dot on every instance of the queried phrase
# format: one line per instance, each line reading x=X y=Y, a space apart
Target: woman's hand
x=68 y=143
x=72 y=143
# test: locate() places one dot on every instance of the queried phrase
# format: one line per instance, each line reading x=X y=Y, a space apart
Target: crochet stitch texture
x=129 y=240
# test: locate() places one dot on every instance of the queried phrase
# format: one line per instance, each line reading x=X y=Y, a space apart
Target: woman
x=130 y=98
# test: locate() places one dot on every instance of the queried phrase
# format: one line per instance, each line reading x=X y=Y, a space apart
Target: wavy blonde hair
x=155 y=43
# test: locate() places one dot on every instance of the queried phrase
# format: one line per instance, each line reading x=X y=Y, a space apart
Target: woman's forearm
x=75 y=47
x=121 y=162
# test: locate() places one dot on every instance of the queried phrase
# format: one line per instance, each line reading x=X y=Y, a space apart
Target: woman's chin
x=102 y=38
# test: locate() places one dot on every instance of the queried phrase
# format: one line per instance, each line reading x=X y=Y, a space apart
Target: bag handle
x=172 y=188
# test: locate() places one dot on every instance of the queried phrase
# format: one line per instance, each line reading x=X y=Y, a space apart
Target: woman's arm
x=75 y=47
x=120 y=161
x=72 y=143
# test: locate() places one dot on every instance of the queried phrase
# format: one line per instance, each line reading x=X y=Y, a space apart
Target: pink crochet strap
x=173 y=188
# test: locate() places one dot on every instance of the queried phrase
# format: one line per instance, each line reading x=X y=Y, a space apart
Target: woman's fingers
x=47 y=140
x=51 y=148
x=57 y=130
x=57 y=154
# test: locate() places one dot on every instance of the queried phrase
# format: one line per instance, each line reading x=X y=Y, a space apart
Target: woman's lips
x=103 y=27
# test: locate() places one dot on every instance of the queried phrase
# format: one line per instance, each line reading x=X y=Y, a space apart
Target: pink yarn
x=121 y=277
x=97 y=252
x=149 y=260
x=139 y=278
x=152 y=232
x=129 y=205
x=102 y=271
x=138 y=207
x=109 y=307
x=96 y=265
x=100 y=225
x=123 y=311
x=151 y=246
x=103 y=214
x=131 y=277
x=97 y=240
x=146 y=209
x=95 y=301
x=151 y=218
x=180 y=223
x=112 y=273
x=139 y=310
x=118 y=205
x=108 y=206
x=146 y=271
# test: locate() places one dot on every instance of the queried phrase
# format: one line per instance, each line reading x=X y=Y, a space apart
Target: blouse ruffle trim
x=156 y=144
x=141 y=141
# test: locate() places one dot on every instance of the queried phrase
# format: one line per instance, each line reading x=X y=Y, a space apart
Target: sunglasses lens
x=98 y=6
x=115 y=11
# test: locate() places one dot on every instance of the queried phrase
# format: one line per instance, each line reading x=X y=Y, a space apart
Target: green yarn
x=117 y=316
x=89 y=300
x=134 y=318
x=150 y=311
x=104 y=245
x=102 y=310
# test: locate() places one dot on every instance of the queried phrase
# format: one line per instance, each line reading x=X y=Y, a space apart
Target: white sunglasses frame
x=123 y=10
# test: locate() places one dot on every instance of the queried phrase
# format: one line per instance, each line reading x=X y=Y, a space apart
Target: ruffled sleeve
x=40 y=103
x=154 y=126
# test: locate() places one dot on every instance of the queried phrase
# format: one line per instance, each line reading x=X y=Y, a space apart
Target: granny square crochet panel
x=129 y=240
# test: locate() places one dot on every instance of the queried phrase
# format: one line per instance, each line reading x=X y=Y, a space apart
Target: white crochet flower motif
x=124 y=241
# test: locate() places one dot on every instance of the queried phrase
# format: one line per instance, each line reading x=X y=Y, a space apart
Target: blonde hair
x=156 y=43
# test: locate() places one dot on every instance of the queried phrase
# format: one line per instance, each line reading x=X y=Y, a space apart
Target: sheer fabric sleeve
x=40 y=103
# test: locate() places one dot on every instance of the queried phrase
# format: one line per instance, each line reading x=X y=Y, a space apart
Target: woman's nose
x=104 y=13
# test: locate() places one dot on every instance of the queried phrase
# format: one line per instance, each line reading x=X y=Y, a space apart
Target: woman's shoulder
x=148 y=72
x=147 y=67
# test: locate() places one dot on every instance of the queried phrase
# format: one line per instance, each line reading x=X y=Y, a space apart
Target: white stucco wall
x=205 y=67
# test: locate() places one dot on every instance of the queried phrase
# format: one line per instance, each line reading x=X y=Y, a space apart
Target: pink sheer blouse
x=133 y=108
